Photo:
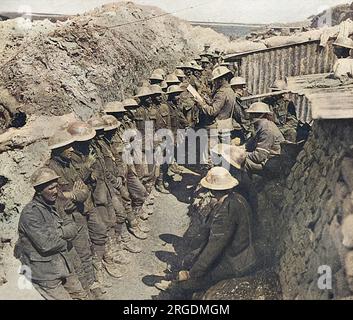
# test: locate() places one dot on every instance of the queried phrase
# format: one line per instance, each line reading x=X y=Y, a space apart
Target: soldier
x=109 y=194
x=84 y=160
x=266 y=144
x=73 y=194
x=222 y=109
x=180 y=75
x=177 y=119
x=161 y=72
x=196 y=80
x=162 y=122
x=137 y=191
x=238 y=85
x=127 y=114
x=225 y=238
x=156 y=78
x=284 y=111
x=198 y=59
x=164 y=86
x=145 y=118
x=215 y=59
x=343 y=68
x=172 y=79
x=44 y=240
x=205 y=64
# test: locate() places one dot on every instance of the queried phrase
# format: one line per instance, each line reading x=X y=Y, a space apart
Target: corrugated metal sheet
x=262 y=67
x=325 y=98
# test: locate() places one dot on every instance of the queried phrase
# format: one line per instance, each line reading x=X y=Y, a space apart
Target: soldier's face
x=67 y=152
x=197 y=74
x=50 y=192
x=239 y=90
x=158 y=98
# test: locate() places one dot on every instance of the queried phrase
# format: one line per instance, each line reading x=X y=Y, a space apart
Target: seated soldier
x=266 y=144
x=343 y=68
x=225 y=247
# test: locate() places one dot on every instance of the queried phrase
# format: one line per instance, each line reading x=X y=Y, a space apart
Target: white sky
x=247 y=11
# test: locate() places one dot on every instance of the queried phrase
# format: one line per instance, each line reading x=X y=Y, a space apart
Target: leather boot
x=113 y=269
x=135 y=230
x=160 y=187
x=127 y=243
x=101 y=281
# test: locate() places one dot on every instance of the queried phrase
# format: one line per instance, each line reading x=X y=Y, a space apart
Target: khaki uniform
x=223 y=102
x=265 y=145
x=227 y=251
x=285 y=117
x=134 y=172
x=88 y=173
x=75 y=208
x=43 y=246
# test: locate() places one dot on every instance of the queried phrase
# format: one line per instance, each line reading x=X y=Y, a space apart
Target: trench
x=162 y=254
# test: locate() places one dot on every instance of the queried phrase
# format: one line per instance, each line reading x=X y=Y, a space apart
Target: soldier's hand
x=91 y=159
x=119 y=182
x=69 y=195
x=79 y=186
x=183 y=275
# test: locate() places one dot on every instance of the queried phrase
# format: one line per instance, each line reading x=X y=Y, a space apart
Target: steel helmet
x=114 y=107
x=238 y=81
x=97 y=123
x=187 y=65
x=156 y=89
x=259 y=107
x=174 y=89
x=206 y=54
x=234 y=155
x=160 y=71
x=205 y=60
x=164 y=85
x=111 y=123
x=144 y=92
x=219 y=178
x=172 y=79
x=130 y=103
x=279 y=85
x=81 y=131
x=157 y=76
x=180 y=73
x=220 y=72
x=344 y=42
x=43 y=176
x=60 y=139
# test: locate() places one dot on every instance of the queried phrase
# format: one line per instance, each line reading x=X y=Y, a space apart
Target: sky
x=245 y=11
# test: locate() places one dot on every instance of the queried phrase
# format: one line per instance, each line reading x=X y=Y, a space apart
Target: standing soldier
x=162 y=122
x=73 y=194
x=177 y=120
x=222 y=109
x=137 y=191
x=156 y=78
x=84 y=161
x=44 y=240
x=238 y=85
x=107 y=196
